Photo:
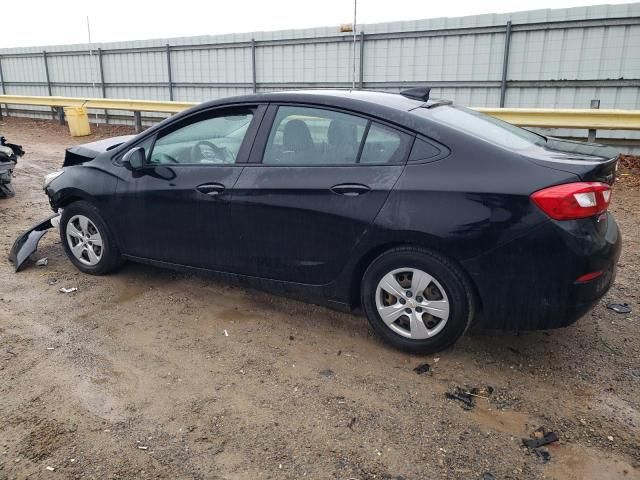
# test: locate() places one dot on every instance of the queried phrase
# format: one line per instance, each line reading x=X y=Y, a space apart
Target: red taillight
x=573 y=200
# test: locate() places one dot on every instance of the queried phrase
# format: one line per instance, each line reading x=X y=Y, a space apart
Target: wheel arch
x=370 y=255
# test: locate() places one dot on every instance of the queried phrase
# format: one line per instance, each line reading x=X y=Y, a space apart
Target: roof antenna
x=417 y=93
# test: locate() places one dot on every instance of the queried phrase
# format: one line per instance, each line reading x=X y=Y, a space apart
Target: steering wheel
x=212 y=153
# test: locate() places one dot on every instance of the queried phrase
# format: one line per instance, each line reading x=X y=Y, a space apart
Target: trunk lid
x=88 y=151
x=592 y=162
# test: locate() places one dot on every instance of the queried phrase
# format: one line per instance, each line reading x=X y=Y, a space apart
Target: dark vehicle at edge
x=422 y=213
x=9 y=154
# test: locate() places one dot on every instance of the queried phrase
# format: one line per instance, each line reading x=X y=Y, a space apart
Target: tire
x=427 y=321
x=86 y=236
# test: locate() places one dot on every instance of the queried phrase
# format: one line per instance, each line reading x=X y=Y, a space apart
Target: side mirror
x=135 y=157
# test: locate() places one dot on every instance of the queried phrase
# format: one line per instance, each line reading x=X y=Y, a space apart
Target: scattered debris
x=69 y=290
x=488 y=476
x=619 y=307
x=52 y=281
x=540 y=437
x=42 y=262
x=436 y=360
x=423 y=368
x=466 y=396
x=226 y=334
x=514 y=350
x=463 y=396
x=542 y=454
x=51 y=348
x=142 y=447
x=351 y=423
x=51 y=469
x=327 y=373
x=610 y=438
x=291 y=338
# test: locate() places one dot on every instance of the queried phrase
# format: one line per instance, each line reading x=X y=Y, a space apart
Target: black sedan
x=423 y=214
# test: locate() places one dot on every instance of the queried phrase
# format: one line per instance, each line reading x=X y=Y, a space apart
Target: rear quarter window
x=483 y=126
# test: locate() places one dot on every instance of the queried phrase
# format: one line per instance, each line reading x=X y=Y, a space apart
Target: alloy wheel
x=412 y=303
x=84 y=240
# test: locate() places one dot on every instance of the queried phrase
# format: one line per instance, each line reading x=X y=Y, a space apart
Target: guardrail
x=529 y=117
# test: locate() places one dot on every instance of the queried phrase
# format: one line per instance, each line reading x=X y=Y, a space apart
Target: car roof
x=338 y=98
x=392 y=107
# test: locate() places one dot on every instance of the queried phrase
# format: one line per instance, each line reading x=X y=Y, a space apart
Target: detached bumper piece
x=27 y=243
x=9 y=154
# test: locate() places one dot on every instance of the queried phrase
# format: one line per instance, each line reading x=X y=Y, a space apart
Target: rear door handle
x=211 y=189
x=350 y=189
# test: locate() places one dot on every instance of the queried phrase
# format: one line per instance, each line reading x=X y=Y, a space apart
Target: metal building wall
x=557 y=58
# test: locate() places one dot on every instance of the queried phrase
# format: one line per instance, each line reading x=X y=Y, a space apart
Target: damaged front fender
x=27 y=243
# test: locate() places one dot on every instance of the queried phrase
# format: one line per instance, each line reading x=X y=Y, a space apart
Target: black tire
x=458 y=291
x=110 y=257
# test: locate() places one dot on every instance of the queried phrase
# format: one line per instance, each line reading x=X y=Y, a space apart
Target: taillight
x=573 y=200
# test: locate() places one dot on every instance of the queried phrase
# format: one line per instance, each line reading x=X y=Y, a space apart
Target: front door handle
x=350 y=189
x=211 y=189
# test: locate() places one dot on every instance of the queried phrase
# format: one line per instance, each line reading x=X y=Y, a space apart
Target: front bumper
x=530 y=283
x=27 y=243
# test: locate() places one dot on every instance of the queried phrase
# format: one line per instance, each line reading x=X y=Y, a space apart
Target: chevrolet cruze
x=420 y=213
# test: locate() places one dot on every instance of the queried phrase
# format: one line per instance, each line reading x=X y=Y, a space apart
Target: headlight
x=50 y=177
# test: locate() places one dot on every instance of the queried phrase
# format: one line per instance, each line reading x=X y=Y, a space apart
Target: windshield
x=483 y=126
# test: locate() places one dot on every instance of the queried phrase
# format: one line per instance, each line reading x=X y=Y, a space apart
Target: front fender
x=27 y=243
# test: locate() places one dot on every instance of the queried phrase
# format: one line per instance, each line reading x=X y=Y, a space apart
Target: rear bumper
x=530 y=283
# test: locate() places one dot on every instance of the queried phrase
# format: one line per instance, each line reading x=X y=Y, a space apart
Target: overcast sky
x=53 y=22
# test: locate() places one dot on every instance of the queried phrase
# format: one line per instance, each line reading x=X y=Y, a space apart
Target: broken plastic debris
x=422 y=368
x=467 y=396
x=619 y=307
x=540 y=437
x=51 y=469
x=142 y=447
x=542 y=454
x=42 y=262
x=226 y=334
x=69 y=290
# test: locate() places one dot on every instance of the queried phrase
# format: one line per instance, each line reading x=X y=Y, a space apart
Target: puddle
x=506 y=421
x=570 y=462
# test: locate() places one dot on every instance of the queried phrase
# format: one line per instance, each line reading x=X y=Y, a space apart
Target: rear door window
x=315 y=136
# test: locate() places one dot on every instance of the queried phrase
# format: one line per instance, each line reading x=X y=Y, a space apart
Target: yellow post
x=78 y=121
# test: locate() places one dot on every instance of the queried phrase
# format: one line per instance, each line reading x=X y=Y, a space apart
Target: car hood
x=590 y=161
x=88 y=151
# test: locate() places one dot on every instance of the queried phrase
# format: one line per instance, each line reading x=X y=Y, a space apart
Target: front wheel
x=417 y=300
x=87 y=240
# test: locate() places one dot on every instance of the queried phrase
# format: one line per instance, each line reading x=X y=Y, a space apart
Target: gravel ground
x=134 y=376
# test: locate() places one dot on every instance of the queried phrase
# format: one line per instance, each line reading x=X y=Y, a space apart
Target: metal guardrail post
x=361 y=79
x=46 y=71
x=3 y=89
x=253 y=65
x=60 y=111
x=169 y=74
x=138 y=121
x=505 y=63
x=102 y=85
x=591 y=137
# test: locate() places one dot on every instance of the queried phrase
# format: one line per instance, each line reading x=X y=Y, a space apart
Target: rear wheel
x=87 y=240
x=417 y=300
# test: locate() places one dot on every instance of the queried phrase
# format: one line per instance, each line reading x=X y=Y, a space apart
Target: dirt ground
x=133 y=375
